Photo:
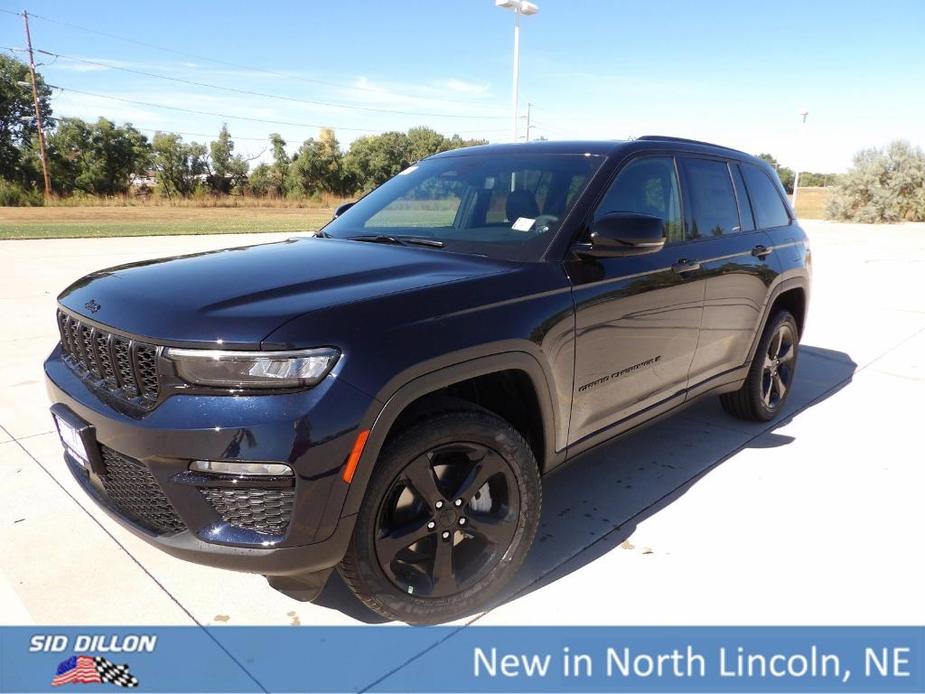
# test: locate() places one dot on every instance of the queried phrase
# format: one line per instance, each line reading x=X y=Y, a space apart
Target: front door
x=637 y=318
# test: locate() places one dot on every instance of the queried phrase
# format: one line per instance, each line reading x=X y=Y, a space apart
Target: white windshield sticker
x=523 y=224
x=410 y=169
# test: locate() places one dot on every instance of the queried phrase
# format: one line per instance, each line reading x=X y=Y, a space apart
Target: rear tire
x=770 y=376
x=449 y=516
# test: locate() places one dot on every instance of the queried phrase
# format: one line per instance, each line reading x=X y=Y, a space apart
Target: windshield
x=502 y=206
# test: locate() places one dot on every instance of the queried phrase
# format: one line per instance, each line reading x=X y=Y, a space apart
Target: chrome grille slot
x=125 y=368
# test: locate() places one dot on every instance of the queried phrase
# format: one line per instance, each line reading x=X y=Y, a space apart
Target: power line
x=226 y=116
x=239 y=91
x=225 y=63
x=543 y=126
x=265 y=95
x=188 y=134
x=197 y=112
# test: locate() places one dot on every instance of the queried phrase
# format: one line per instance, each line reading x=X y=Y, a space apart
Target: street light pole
x=516 y=88
x=518 y=7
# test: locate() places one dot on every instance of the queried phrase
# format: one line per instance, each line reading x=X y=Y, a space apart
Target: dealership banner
x=463 y=659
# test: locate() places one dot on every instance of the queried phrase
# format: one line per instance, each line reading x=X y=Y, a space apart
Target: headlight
x=296 y=369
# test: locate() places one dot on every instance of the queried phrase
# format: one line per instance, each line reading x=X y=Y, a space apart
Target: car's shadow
x=594 y=503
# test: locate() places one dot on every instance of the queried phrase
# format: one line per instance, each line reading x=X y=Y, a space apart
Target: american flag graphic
x=88 y=669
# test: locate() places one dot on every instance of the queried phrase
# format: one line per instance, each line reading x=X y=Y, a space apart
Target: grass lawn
x=56 y=222
x=73 y=222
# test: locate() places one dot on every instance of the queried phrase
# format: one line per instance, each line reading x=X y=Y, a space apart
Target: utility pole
x=796 y=176
x=527 y=133
x=38 y=108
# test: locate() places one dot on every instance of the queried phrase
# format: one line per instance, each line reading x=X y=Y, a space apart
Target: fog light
x=252 y=469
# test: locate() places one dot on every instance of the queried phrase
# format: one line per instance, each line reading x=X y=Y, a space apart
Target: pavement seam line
x=767 y=429
x=689 y=482
x=136 y=561
x=29 y=436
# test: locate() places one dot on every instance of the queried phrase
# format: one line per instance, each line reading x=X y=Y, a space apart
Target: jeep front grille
x=125 y=368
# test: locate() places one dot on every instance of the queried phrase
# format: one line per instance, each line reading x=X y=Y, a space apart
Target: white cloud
x=463 y=87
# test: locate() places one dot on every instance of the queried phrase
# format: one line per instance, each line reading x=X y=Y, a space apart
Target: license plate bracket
x=78 y=438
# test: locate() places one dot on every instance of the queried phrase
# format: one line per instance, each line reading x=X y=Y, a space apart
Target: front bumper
x=305 y=430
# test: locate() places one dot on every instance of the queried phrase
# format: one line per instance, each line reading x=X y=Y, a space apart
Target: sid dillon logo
x=85 y=667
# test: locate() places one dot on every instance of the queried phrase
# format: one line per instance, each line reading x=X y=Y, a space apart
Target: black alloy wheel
x=449 y=515
x=779 y=361
x=771 y=373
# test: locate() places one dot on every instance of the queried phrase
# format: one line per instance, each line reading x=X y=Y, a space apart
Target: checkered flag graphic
x=114 y=674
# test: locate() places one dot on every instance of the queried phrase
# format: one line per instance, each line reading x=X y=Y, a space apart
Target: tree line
x=808 y=179
x=105 y=159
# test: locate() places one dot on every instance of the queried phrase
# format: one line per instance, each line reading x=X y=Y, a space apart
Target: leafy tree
x=179 y=165
x=270 y=179
x=374 y=159
x=17 y=119
x=14 y=195
x=260 y=181
x=785 y=174
x=422 y=142
x=884 y=185
x=280 y=158
x=227 y=170
x=98 y=158
x=317 y=167
x=817 y=180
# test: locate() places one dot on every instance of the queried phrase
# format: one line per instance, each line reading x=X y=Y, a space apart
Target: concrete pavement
x=701 y=519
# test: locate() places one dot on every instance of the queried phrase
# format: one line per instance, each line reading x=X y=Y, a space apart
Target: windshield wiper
x=399 y=240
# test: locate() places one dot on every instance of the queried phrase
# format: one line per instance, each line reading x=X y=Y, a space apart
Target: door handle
x=762 y=252
x=685 y=265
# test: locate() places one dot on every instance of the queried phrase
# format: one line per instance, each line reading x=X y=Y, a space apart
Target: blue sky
x=738 y=73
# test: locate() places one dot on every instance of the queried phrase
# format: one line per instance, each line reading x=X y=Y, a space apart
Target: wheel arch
x=791 y=294
x=518 y=367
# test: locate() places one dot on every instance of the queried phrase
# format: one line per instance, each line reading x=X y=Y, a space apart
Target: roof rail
x=669 y=138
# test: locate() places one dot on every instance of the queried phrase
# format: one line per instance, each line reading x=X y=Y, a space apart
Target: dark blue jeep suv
x=385 y=396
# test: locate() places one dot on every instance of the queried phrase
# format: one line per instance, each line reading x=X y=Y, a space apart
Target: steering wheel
x=542 y=223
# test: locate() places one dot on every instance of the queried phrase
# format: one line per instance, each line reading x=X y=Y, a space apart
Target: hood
x=237 y=296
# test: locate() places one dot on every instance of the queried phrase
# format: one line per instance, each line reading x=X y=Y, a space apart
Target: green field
x=75 y=222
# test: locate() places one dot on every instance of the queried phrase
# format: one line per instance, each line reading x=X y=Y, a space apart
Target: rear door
x=734 y=257
x=637 y=318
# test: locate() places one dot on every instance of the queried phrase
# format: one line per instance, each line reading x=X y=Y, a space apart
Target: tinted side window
x=648 y=185
x=712 y=200
x=769 y=208
x=745 y=206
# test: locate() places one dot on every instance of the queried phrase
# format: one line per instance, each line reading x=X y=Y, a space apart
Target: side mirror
x=342 y=208
x=624 y=233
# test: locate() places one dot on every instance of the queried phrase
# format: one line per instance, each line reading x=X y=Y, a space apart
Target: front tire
x=770 y=376
x=449 y=516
